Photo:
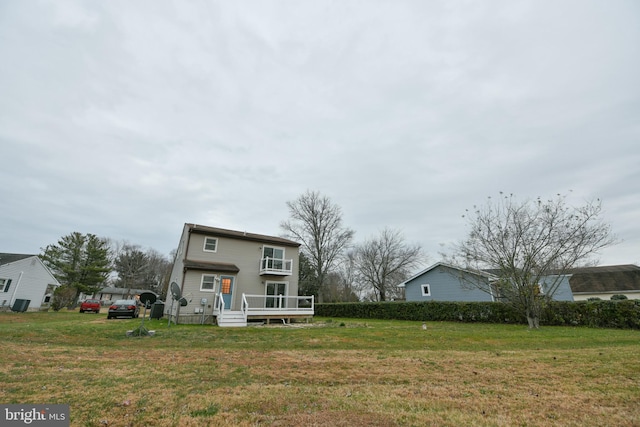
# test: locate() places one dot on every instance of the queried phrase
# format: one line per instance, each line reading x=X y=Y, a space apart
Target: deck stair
x=232 y=319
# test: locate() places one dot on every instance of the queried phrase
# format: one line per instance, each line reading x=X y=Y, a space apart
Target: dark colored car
x=90 y=305
x=124 y=308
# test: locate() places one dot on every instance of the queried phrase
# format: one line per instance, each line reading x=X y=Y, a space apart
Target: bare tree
x=530 y=245
x=140 y=269
x=317 y=223
x=158 y=271
x=385 y=261
x=131 y=265
x=352 y=289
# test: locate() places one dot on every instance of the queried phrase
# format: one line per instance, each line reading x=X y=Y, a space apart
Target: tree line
x=85 y=263
x=522 y=241
x=334 y=268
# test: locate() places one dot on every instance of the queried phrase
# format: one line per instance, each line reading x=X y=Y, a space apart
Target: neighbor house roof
x=9 y=258
x=605 y=279
x=242 y=235
x=120 y=291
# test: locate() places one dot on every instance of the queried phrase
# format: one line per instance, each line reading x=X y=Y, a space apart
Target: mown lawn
x=332 y=372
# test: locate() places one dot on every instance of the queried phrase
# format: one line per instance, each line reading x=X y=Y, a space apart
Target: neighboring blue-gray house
x=445 y=282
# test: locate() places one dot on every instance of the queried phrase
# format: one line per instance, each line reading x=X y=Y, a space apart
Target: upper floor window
x=273 y=262
x=210 y=244
x=272 y=252
x=4 y=285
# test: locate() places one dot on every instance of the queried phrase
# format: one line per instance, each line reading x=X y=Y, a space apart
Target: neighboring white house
x=25 y=278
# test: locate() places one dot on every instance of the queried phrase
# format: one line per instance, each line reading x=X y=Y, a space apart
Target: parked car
x=90 y=305
x=124 y=308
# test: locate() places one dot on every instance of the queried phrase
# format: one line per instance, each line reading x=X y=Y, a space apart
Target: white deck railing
x=218 y=306
x=276 y=266
x=245 y=307
x=278 y=304
x=269 y=305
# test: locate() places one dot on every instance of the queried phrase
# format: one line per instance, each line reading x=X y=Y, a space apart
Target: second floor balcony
x=275 y=266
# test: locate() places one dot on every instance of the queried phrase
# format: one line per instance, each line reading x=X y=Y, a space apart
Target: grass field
x=332 y=372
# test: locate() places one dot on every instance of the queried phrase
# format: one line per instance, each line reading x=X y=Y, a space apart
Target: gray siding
x=445 y=285
x=563 y=290
x=245 y=254
x=450 y=284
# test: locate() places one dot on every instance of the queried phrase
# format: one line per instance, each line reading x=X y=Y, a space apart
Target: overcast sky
x=127 y=119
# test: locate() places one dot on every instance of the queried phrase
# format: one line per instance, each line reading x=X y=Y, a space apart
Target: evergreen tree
x=80 y=262
x=307 y=282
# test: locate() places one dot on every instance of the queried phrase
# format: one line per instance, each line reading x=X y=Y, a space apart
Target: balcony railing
x=278 y=267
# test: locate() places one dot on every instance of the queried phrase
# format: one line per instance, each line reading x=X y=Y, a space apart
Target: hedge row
x=604 y=314
x=621 y=314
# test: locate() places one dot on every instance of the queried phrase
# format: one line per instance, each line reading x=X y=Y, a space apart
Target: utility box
x=20 y=305
x=157 y=310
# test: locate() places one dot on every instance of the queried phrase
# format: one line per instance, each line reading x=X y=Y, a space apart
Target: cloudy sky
x=127 y=119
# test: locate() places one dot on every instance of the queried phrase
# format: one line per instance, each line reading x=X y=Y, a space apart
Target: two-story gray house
x=230 y=277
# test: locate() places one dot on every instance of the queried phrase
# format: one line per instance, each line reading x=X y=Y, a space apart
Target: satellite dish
x=148 y=298
x=176 y=293
x=183 y=302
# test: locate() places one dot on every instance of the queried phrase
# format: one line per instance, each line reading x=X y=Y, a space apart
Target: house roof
x=444 y=264
x=6 y=258
x=9 y=258
x=211 y=266
x=605 y=279
x=120 y=291
x=242 y=235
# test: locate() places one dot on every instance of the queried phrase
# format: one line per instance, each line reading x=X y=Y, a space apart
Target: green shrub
x=622 y=314
x=618 y=297
x=487 y=312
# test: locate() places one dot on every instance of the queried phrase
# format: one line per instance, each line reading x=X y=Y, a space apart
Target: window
x=4 y=285
x=273 y=253
x=273 y=258
x=210 y=244
x=208 y=282
x=275 y=292
x=225 y=285
x=426 y=290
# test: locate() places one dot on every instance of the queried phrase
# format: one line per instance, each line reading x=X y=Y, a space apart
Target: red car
x=90 y=305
